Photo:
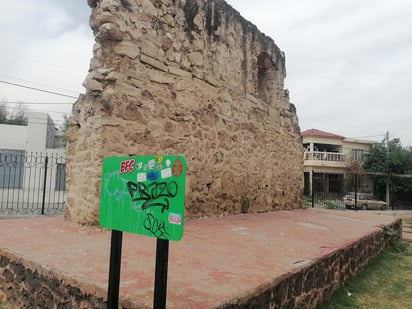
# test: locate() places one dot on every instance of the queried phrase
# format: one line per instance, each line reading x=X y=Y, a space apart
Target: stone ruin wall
x=193 y=78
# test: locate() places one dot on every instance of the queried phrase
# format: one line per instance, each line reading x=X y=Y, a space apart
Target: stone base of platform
x=290 y=259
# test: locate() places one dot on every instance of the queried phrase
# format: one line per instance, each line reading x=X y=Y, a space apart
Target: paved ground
x=217 y=259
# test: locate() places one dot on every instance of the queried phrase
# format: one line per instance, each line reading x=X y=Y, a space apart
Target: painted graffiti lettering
x=156 y=227
x=127 y=166
x=154 y=194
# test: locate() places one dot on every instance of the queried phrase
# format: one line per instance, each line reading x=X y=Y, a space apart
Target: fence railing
x=323 y=200
x=31 y=183
x=324 y=156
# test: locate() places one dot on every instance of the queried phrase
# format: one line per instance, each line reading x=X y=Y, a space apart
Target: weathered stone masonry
x=192 y=78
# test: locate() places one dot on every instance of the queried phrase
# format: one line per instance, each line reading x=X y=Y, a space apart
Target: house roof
x=319 y=133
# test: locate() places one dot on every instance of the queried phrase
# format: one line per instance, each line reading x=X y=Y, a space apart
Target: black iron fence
x=31 y=183
x=327 y=190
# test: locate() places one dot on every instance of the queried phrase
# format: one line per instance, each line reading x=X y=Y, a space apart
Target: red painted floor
x=217 y=259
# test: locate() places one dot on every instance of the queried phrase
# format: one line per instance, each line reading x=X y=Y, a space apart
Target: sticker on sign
x=144 y=195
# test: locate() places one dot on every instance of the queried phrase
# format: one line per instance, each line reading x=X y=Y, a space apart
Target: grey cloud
x=52 y=18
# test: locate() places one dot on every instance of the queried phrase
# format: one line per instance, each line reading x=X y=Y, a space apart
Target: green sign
x=144 y=195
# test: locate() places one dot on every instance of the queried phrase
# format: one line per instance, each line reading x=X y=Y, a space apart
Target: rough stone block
x=161 y=78
x=196 y=59
x=127 y=49
x=154 y=63
x=149 y=49
x=179 y=72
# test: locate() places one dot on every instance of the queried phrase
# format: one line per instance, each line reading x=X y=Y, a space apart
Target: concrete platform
x=218 y=262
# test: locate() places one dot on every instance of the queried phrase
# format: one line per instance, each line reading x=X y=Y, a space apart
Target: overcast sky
x=349 y=63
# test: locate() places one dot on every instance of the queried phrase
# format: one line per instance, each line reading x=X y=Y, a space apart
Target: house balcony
x=324 y=159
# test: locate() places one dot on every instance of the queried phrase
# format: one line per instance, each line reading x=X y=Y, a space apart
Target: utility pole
x=387 y=170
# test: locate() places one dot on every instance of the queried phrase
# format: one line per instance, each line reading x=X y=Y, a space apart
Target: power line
x=35 y=122
x=36 y=83
x=38 y=89
x=38 y=110
x=40 y=103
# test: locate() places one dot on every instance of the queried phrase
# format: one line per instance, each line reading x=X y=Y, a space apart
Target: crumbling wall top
x=207 y=39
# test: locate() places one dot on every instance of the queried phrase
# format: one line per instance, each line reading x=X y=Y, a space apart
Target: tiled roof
x=319 y=133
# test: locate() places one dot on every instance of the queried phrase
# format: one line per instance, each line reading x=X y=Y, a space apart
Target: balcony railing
x=324 y=156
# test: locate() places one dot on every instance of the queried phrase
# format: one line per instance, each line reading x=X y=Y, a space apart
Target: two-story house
x=331 y=162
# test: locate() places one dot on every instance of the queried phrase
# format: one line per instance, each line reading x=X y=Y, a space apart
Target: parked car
x=364 y=201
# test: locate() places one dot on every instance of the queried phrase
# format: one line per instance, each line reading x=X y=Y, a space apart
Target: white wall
x=37 y=132
x=35 y=137
x=13 y=137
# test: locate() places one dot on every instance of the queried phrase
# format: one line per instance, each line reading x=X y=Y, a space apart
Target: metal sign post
x=160 y=286
x=114 y=270
x=142 y=195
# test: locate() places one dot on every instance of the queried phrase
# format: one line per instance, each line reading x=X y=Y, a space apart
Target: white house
x=32 y=168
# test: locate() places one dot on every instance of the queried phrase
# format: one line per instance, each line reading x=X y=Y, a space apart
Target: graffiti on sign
x=143 y=195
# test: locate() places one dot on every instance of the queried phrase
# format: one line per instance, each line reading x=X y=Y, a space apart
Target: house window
x=11 y=168
x=60 y=177
x=357 y=154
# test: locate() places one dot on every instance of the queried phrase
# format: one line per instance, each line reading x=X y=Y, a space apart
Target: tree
x=390 y=161
x=60 y=137
x=17 y=118
x=65 y=124
x=356 y=179
x=3 y=111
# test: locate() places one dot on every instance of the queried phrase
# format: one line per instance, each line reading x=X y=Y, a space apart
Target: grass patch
x=407 y=222
x=386 y=282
